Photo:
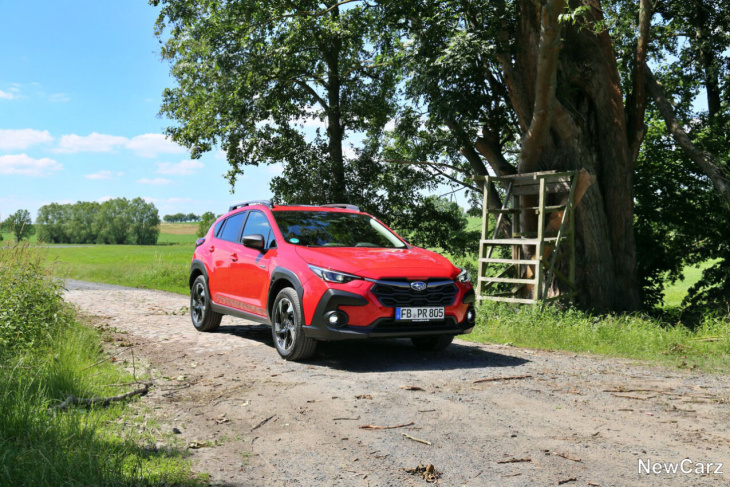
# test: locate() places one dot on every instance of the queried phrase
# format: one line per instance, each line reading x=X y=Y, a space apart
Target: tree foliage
x=181 y=218
x=206 y=220
x=116 y=221
x=20 y=225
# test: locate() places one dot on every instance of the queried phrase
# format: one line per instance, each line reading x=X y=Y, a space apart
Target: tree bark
x=545 y=85
x=585 y=129
x=719 y=175
x=335 y=130
x=636 y=101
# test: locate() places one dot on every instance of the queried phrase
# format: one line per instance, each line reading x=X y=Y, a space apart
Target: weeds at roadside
x=46 y=355
x=637 y=336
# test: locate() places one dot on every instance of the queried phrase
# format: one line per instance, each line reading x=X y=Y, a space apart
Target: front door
x=249 y=274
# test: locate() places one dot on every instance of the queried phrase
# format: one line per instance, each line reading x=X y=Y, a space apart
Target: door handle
x=211 y=248
x=234 y=257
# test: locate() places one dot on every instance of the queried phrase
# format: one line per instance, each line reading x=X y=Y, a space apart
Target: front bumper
x=383 y=326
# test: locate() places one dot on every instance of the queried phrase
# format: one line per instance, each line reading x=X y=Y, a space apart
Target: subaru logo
x=418 y=286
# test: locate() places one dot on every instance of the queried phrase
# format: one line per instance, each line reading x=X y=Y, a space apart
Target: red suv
x=325 y=272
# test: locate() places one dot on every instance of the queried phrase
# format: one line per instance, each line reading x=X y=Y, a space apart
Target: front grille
x=394 y=294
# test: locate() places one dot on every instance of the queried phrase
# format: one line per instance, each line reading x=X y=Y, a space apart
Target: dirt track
x=264 y=421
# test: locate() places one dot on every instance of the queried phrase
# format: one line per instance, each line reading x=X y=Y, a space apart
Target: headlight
x=463 y=276
x=328 y=275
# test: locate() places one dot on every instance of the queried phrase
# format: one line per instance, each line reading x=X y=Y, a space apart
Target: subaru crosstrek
x=319 y=273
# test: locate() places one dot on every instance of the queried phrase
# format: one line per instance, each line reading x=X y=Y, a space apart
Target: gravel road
x=539 y=418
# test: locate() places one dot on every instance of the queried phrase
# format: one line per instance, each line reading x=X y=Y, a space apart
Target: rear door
x=249 y=274
x=224 y=255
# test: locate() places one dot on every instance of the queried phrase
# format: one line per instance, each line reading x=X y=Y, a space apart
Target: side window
x=233 y=227
x=257 y=223
x=271 y=240
x=217 y=231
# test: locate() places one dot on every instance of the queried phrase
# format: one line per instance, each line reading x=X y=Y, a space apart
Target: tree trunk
x=334 y=121
x=587 y=131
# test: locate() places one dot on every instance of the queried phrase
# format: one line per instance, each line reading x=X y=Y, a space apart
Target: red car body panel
x=241 y=278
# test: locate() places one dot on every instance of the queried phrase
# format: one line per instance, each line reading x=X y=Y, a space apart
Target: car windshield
x=334 y=229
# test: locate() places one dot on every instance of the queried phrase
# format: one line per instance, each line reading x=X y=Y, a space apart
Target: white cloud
x=155 y=181
x=150 y=199
x=24 y=165
x=145 y=145
x=23 y=138
x=182 y=168
x=103 y=175
x=150 y=145
x=58 y=98
x=104 y=198
x=4 y=95
x=94 y=142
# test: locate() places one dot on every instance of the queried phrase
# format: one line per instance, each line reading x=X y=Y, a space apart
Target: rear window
x=334 y=229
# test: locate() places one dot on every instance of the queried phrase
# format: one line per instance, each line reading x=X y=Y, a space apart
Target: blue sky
x=80 y=88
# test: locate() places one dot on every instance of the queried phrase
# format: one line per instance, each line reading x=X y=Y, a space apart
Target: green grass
x=145 y=266
x=78 y=446
x=45 y=356
x=675 y=292
x=631 y=336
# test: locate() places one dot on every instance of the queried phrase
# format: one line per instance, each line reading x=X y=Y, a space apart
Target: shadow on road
x=379 y=355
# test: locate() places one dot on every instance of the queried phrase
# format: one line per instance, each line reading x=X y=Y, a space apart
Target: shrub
x=31 y=302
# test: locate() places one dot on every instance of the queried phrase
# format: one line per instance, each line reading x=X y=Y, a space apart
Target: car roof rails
x=249 y=203
x=342 y=205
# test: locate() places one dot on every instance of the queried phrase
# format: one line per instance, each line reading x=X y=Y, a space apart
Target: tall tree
x=251 y=73
x=20 y=225
x=144 y=222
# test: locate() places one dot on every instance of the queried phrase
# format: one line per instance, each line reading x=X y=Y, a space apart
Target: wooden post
x=537 y=292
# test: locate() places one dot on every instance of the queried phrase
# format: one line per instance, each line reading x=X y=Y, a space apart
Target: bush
x=31 y=302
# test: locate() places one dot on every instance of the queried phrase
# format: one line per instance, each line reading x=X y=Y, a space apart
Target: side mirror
x=255 y=241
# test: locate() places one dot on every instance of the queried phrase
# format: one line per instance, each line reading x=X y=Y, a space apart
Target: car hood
x=412 y=263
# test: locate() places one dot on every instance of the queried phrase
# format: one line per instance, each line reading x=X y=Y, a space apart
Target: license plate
x=419 y=314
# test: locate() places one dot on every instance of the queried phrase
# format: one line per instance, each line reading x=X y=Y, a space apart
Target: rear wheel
x=287 y=327
x=432 y=343
x=201 y=309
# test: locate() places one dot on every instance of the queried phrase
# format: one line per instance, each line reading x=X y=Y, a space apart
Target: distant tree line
x=181 y=218
x=116 y=221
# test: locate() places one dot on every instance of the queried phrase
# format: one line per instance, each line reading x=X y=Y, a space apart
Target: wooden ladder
x=543 y=266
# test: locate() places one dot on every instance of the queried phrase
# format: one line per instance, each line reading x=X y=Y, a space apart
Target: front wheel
x=432 y=343
x=287 y=327
x=201 y=309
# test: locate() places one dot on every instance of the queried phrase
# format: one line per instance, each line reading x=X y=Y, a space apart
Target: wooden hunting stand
x=519 y=278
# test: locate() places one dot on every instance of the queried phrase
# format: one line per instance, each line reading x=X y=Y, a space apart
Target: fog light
x=471 y=315
x=337 y=318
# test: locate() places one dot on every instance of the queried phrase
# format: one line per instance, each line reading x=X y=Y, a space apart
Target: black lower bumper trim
x=388 y=328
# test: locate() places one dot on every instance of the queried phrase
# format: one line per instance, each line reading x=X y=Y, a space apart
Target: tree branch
x=635 y=128
x=103 y=401
x=718 y=174
x=545 y=85
x=318 y=13
x=488 y=146
x=312 y=92
x=435 y=166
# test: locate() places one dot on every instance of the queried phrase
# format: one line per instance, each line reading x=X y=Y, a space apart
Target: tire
x=432 y=343
x=201 y=311
x=287 y=323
